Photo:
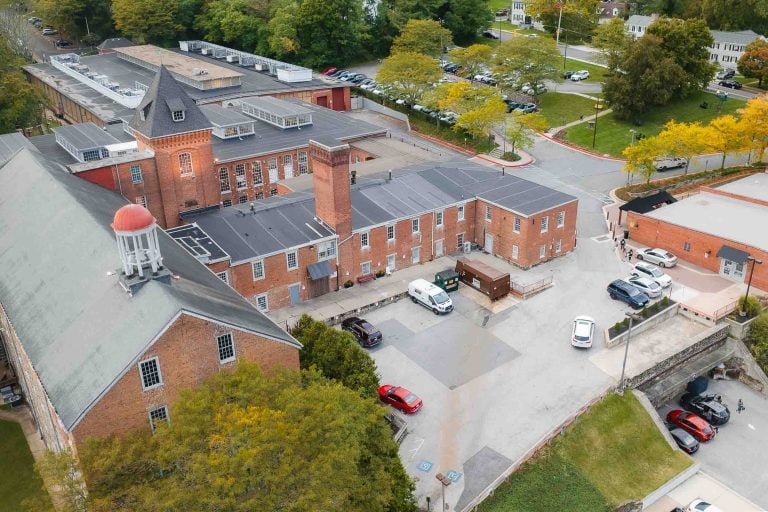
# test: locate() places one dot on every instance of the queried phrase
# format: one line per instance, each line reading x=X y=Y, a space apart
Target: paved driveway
x=738 y=453
x=494 y=384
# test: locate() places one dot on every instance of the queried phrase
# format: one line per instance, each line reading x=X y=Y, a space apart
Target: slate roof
x=166 y=93
x=79 y=328
x=288 y=221
x=742 y=37
x=12 y=143
x=114 y=42
x=648 y=203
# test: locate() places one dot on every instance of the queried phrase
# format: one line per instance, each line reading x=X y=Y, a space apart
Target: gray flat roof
x=83 y=332
x=10 y=144
x=224 y=116
x=85 y=136
x=276 y=106
x=269 y=138
x=723 y=217
x=754 y=186
x=198 y=243
x=278 y=223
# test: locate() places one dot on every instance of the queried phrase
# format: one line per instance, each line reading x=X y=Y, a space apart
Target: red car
x=400 y=398
x=328 y=71
x=696 y=426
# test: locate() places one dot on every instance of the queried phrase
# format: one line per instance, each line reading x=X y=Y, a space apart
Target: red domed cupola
x=132 y=217
x=136 y=233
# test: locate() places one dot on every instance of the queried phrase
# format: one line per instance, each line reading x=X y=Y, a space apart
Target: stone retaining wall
x=643 y=326
x=738 y=330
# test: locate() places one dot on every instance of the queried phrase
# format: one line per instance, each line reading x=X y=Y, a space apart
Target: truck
x=430 y=296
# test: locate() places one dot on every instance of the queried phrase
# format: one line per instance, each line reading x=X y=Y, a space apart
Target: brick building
x=718 y=229
x=294 y=247
x=178 y=158
x=102 y=337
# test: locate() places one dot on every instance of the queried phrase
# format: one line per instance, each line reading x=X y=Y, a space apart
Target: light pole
x=754 y=261
x=594 y=128
x=622 y=384
x=559 y=21
x=446 y=482
x=565 y=53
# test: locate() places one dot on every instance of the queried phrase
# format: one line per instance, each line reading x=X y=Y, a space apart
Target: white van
x=430 y=296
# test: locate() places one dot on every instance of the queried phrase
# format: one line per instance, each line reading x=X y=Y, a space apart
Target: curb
x=443 y=143
x=504 y=163
x=582 y=150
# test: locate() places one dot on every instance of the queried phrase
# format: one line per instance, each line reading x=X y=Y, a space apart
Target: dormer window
x=178 y=115
x=177 y=109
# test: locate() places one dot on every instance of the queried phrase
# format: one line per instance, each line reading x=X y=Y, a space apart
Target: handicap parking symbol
x=453 y=476
x=424 y=465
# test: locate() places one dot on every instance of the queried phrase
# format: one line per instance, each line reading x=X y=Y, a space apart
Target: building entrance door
x=295 y=291
x=438 y=248
x=732 y=270
x=391 y=260
x=488 y=243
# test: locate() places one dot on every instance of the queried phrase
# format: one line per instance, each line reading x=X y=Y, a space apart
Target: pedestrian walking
x=623 y=245
x=629 y=255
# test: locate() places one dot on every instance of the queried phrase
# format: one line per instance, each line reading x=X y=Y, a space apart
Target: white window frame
x=295 y=258
x=415 y=225
x=516 y=224
x=488 y=213
x=460 y=241
x=515 y=251
x=559 y=245
x=366 y=265
x=136 y=175
x=178 y=116
x=390 y=227
x=185 y=164
x=152 y=420
x=545 y=224
x=542 y=251
x=159 y=373
x=142 y=200
x=242 y=199
x=439 y=218
x=224 y=184
x=224 y=276
x=258 y=175
x=365 y=240
x=241 y=182
x=256 y=300
x=226 y=203
x=460 y=210
x=326 y=250
x=561 y=218
x=231 y=341
x=258 y=264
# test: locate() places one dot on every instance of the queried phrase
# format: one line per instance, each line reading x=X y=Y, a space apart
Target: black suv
x=733 y=84
x=621 y=290
x=709 y=407
x=365 y=333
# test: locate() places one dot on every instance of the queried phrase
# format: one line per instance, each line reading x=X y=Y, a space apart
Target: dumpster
x=488 y=280
x=448 y=280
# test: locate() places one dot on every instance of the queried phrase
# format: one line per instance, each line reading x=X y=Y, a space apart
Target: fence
x=714 y=316
x=544 y=441
x=527 y=289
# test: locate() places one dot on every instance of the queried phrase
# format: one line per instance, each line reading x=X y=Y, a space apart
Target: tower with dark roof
x=169 y=123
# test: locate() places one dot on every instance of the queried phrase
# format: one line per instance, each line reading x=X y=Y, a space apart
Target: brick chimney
x=330 y=170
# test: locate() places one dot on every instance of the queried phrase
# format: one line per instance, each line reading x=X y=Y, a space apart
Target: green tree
x=422 y=36
x=686 y=41
x=612 y=39
x=754 y=62
x=472 y=59
x=538 y=8
x=649 y=78
x=405 y=10
x=60 y=471
x=21 y=106
x=520 y=129
x=735 y=14
x=642 y=155
x=65 y=15
x=233 y=22
x=528 y=59
x=466 y=19
x=409 y=74
x=283 y=32
x=336 y=355
x=146 y=21
x=244 y=442
x=759 y=337
x=684 y=140
x=480 y=108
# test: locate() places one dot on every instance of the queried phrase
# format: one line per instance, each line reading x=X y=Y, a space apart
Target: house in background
x=607 y=10
x=729 y=46
x=637 y=24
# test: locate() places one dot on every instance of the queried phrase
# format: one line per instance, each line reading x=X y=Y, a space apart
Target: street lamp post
x=445 y=481
x=594 y=128
x=565 y=53
x=622 y=384
x=754 y=261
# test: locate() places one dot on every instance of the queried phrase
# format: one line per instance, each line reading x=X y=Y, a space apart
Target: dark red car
x=400 y=398
x=328 y=71
x=695 y=425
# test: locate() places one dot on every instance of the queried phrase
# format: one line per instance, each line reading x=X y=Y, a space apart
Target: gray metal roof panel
x=85 y=135
x=79 y=328
x=276 y=106
x=224 y=116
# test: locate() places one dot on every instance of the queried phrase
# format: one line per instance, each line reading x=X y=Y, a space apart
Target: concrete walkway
x=23 y=417
x=581 y=121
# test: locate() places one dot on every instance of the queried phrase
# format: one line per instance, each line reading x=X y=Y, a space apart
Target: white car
x=647 y=270
x=658 y=256
x=583 y=331
x=664 y=164
x=646 y=285
x=580 y=75
x=699 y=505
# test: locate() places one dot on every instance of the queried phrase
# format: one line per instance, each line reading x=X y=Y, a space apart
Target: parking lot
x=737 y=455
x=494 y=384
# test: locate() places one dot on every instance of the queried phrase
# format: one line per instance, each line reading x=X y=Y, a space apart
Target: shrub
x=654 y=308
x=664 y=302
x=380 y=273
x=751 y=305
x=349 y=284
x=759 y=336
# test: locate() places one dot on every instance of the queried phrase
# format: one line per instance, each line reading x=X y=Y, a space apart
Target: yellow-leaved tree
x=754 y=120
x=726 y=134
x=479 y=107
x=641 y=157
x=409 y=74
x=684 y=140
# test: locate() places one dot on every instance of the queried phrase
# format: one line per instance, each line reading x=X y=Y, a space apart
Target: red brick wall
x=652 y=232
x=187 y=354
x=332 y=190
x=336 y=98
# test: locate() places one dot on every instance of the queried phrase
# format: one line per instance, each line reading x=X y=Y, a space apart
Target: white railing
x=69 y=63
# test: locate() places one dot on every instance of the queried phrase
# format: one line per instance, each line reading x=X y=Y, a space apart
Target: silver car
x=646 y=285
x=647 y=270
x=658 y=256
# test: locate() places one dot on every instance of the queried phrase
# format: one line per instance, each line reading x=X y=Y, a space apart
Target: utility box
x=494 y=283
x=448 y=280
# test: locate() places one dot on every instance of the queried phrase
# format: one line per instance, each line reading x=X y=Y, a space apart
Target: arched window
x=185 y=164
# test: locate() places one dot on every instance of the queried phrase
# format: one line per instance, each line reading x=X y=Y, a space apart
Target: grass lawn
x=19 y=481
x=613 y=135
x=611 y=454
x=596 y=73
x=561 y=108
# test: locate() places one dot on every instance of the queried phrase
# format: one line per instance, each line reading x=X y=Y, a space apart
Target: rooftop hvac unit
x=233 y=58
x=467 y=247
x=259 y=66
x=207 y=51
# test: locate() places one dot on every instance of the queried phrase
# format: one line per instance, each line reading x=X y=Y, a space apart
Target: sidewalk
x=707 y=488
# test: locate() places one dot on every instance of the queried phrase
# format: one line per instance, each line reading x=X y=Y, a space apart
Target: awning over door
x=731 y=253
x=319 y=270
